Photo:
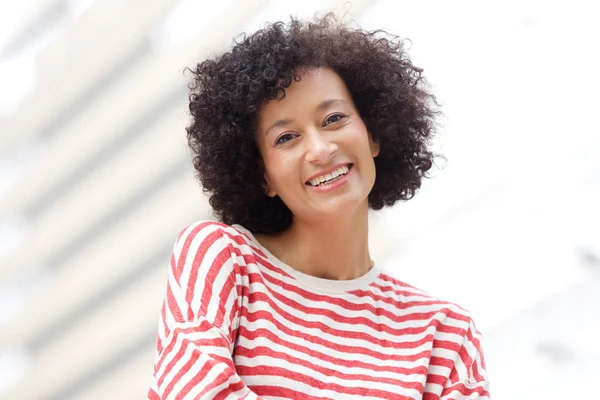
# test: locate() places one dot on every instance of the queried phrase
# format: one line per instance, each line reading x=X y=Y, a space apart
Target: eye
x=334 y=118
x=286 y=137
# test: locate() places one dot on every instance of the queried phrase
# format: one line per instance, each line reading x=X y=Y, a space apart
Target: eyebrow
x=320 y=107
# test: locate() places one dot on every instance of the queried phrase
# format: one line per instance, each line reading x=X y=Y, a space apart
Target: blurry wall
x=96 y=181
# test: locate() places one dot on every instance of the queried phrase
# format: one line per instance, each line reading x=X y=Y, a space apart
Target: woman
x=296 y=133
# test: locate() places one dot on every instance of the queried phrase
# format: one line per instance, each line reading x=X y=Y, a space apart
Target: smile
x=330 y=177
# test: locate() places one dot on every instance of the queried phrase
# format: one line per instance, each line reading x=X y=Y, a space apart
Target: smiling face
x=317 y=153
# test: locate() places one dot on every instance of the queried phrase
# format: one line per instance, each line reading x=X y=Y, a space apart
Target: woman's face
x=317 y=153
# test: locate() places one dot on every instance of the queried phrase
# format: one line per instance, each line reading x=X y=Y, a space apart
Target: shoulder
x=198 y=245
x=210 y=230
x=445 y=311
x=206 y=237
x=456 y=333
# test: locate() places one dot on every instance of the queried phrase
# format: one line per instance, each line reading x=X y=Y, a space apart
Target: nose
x=319 y=148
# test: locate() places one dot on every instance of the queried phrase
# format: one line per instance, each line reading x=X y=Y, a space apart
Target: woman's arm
x=198 y=321
x=468 y=379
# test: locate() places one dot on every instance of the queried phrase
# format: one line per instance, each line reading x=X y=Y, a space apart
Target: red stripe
x=152 y=395
x=206 y=298
x=453 y=377
x=159 y=346
x=466 y=359
x=417 y=292
x=173 y=306
x=266 y=264
x=476 y=374
x=481 y=357
x=257 y=257
x=399 y=304
x=446 y=344
x=232 y=388
x=437 y=379
x=394 y=290
x=243 y=239
x=397 y=282
x=441 y=362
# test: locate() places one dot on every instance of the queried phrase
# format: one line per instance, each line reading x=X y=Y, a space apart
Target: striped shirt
x=238 y=323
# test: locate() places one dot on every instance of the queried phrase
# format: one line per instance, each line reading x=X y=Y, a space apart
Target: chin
x=340 y=207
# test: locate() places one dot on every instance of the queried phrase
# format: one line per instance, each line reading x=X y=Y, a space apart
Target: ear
x=267 y=187
x=374 y=145
x=266 y=184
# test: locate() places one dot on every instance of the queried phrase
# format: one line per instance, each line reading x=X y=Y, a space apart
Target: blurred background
x=96 y=182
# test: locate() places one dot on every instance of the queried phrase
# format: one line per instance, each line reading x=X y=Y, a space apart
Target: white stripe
x=161 y=327
x=440 y=370
x=434 y=388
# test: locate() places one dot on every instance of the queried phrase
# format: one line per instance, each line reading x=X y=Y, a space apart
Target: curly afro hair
x=227 y=92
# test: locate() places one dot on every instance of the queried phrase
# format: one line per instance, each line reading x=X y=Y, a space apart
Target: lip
x=328 y=171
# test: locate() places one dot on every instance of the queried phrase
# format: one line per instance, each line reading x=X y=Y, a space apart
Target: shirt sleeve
x=468 y=379
x=199 y=320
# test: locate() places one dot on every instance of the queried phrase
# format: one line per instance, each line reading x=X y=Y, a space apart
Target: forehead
x=315 y=86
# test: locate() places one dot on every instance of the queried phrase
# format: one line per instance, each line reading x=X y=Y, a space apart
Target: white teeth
x=343 y=170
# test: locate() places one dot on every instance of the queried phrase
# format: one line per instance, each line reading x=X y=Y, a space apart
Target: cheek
x=357 y=132
x=279 y=168
x=360 y=141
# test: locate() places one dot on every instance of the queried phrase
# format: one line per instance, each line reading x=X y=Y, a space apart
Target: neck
x=336 y=249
